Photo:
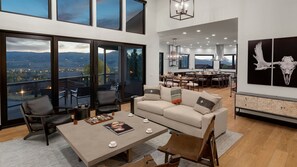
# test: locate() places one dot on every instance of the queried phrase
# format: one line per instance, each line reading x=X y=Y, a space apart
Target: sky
x=108 y=11
x=27 y=45
x=133 y=8
x=39 y=46
x=78 y=12
x=36 y=7
x=108 y=14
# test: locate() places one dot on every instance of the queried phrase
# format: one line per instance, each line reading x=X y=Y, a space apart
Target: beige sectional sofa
x=181 y=117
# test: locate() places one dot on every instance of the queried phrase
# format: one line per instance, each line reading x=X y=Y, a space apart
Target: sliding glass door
x=74 y=73
x=69 y=71
x=108 y=65
x=28 y=71
x=133 y=71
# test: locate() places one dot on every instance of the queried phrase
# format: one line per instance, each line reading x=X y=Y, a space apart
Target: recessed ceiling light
x=167 y=42
x=208 y=41
x=184 y=33
x=230 y=45
x=217 y=43
x=225 y=38
x=200 y=46
x=213 y=35
x=197 y=42
x=198 y=30
x=207 y=44
x=206 y=38
x=235 y=41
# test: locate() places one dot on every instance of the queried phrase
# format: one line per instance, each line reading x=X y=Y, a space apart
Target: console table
x=274 y=105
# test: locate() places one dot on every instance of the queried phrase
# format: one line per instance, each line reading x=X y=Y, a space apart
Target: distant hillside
x=42 y=60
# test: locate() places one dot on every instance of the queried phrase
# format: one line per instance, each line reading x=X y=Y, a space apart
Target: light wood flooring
x=263 y=144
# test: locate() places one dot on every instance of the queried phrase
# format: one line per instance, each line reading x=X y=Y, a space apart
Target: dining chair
x=194 y=83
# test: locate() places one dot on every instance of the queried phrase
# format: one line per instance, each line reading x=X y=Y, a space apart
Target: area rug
x=34 y=152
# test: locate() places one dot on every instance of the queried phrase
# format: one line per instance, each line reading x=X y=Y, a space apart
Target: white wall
x=257 y=19
x=262 y=19
x=206 y=11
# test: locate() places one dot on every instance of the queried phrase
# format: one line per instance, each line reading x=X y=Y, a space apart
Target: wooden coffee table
x=90 y=142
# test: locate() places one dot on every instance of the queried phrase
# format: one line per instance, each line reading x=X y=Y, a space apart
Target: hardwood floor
x=263 y=144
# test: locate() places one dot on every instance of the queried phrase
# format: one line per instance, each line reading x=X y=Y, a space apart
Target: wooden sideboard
x=275 y=105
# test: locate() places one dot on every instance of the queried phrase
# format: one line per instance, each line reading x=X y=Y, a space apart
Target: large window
x=109 y=14
x=28 y=71
x=135 y=16
x=37 y=8
x=108 y=65
x=228 y=62
x=183 y=61
x=74 y=72
x=203 y=61
x=78 y=11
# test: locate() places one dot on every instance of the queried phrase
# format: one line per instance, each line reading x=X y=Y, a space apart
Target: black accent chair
x=48 y=92
x=79 y=93
x=42 y=118
x=108 y=101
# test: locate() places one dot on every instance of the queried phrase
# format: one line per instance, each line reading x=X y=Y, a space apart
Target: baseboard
x=266 y=119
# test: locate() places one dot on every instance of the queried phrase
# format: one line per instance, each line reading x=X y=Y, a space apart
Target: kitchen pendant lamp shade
x=181 y=9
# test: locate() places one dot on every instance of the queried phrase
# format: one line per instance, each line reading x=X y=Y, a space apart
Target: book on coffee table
x=118 y=127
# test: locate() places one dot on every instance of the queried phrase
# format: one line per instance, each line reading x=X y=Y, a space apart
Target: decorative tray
x=98 y=119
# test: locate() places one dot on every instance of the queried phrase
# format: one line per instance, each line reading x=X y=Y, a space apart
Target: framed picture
x=260 y=61
x=285 y=62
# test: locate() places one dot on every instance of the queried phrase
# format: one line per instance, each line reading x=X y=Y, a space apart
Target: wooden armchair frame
x=200 y=150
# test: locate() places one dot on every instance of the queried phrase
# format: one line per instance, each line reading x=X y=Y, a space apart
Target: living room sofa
x=181 y=117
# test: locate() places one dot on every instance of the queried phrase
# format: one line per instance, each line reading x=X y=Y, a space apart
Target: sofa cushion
x=166 y=94
x=189 y=97
x=184 y=114
x=151 y=92
x=155 y=107
x=206 y=102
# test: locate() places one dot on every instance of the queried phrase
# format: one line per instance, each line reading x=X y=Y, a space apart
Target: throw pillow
x=176 y=95
x=151 y=93
x=205 y=103
x=40 y=106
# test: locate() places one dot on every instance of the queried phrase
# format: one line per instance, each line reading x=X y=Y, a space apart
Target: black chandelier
x=181 y=9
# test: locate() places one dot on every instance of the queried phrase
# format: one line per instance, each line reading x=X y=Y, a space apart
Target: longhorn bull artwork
x=287 y=65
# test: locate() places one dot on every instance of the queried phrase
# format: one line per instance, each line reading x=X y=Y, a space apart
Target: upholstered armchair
x=107 y=101
x=42 y=118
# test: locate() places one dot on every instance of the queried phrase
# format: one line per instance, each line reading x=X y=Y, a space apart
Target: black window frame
x=54 y=67
x=3 y=89
x=120 y=21
x=233 y=62
x=144 y=17
x=90 y=20
x=204 y=55
x=188 y=61
x=49 y=11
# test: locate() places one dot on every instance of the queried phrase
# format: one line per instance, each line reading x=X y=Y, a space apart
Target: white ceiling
x=194 y=40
